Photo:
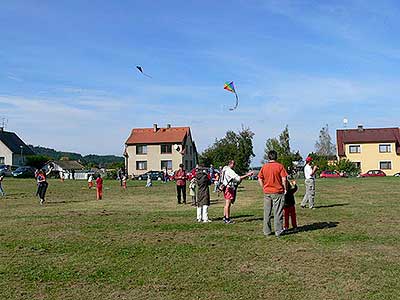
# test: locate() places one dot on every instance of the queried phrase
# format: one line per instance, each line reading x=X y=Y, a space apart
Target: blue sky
x=68 y=78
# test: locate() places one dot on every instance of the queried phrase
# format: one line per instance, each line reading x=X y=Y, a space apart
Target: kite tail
x=237 y=102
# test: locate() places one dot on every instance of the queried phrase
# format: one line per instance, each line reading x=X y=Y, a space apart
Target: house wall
x=7 y=154
x=370 y=157
x=189 y=158
x=154 y=158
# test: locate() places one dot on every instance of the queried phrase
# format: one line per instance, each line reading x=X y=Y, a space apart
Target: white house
x=66 y=168
x=13 y=150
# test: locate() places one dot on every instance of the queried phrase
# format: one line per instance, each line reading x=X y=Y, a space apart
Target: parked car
x=7 y=170
x=373 y=173
x=332 y=174
x=24 y=172
x=154 y=175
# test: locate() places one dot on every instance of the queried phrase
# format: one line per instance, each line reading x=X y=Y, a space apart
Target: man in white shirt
x=309 y=174
x=230 y=180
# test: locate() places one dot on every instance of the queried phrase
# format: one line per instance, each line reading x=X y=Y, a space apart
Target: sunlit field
x=139 y=244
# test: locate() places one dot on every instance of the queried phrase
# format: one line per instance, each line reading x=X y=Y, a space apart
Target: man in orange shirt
x=272 y=178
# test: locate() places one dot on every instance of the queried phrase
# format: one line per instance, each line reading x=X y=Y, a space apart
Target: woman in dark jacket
x=203 y=195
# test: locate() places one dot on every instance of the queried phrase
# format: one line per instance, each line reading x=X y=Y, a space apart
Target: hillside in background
x=91 y=159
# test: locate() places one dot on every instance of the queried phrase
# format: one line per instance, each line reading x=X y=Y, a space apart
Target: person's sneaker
x=207 y=221
x=41 y=201
x=280 y=233
x=302 y=206
x=229 y=221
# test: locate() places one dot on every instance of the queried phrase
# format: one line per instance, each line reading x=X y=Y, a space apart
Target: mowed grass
x=139 y=244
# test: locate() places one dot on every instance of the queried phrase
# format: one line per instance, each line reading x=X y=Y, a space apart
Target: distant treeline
x=88 y=160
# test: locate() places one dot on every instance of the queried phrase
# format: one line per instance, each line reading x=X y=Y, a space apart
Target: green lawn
x=139 y=244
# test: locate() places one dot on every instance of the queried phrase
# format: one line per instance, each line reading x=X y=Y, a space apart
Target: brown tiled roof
x=162 y=135
x=371 y=135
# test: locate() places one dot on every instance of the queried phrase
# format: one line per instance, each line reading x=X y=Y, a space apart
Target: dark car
x=373 y=173
x=24 y=172
x=6 y=170
x=154 y=175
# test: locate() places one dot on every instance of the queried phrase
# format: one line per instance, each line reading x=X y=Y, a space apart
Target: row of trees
x=43 y=155
x=239 y=146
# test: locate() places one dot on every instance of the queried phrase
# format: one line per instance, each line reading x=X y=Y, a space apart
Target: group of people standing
x=279 y=194
x=279 y=199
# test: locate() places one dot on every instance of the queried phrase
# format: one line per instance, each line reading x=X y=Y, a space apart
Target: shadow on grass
x=313 y=226
x=215 y=201
x=240 y=217
x=331 y=205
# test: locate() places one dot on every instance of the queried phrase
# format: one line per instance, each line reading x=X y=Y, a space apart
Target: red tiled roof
x=372 y=135
x=162 y=135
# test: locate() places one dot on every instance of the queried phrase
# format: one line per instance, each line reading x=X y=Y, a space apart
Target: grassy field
x=139 y=244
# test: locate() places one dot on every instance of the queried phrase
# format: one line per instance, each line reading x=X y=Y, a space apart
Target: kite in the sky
x=231 y=88
x=141 y=71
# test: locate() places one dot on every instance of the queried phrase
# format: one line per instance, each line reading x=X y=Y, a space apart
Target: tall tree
x=324 y=145
x=236 y=146
x=282 y=146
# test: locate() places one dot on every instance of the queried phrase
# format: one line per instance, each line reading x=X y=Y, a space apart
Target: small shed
x=67 y=169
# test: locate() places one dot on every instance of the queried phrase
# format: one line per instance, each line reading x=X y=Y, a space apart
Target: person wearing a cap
x=309 y=174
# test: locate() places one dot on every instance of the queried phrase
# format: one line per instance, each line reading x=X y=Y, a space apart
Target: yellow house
x=371 y=149
x=157 y=149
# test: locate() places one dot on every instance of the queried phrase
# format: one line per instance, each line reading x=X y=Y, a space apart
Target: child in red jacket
x=289 y=208
x=99 y=187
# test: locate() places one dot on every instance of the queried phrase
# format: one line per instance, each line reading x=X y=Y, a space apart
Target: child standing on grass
x=124 y=182
x=148 y=182
x=99 y=187
x=42 y=186
x=192 y=190
x=1 y=185
x=90 y=181
x=203 y=196
x=289 y=208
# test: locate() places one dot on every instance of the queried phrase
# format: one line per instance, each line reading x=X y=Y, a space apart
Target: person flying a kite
x=231 y=88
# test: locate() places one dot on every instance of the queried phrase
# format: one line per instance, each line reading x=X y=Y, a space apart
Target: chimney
x=155 y=127
x=168 y=126
x=360 y=127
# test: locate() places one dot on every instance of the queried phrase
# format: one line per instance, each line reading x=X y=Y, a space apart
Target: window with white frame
x=141 y=149
x=385 y=165
x=166 y=164
x=2 y=160
x=385 y=148
x=354 y=149
x=141 y=165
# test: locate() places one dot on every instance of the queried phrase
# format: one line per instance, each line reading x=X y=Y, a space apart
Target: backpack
x=221 y=186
